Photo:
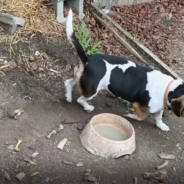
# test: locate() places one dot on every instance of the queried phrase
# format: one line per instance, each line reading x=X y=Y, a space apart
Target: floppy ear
x=178 y=106
x=182 y=112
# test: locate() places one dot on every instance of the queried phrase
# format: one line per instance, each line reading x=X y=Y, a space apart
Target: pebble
x=80 y=127
x=67 y=162
x=11 y=147
x=47 y=180
x=127 y=157
x=80 y=164
x=61 y=127
x=89 y=177
x=37 y=53
x=11 y=114
x=7 y=176
x=35 y=154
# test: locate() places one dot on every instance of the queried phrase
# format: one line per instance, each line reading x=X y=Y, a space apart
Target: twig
x=120 y=39
x=54 y=71
x=55 y=178
x=3 y=74
x=4 y=66
x=163 y=165
x=68 y=122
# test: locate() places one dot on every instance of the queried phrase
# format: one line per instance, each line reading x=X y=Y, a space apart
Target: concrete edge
x=144 y=49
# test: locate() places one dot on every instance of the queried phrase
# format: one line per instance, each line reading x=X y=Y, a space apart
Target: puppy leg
x=140 y=115
x=132 y=116
x=69 y=84
x=159 y=123
x=83 y=101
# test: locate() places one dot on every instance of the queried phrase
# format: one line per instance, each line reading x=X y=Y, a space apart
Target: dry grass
x=39 y=16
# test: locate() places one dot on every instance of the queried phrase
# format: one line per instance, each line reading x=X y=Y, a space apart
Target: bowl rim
x=113 y=141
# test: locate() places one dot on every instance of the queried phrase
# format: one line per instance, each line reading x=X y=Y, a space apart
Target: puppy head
x=177 y=106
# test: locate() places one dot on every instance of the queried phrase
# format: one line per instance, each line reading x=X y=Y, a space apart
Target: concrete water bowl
x=109 y=136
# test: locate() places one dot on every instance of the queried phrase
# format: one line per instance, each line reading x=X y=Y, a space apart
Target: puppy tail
x=73 y=40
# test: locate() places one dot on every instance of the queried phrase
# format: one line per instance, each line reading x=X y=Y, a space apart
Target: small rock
x=114 y=182
x=80 y=127
x=67 y=162
x=88 y=170
x=34 y=66
x=35 y=154
x=11 y=147
x=7 y=176
x=47 y=180
x=11 y=114
x=17 y=165
x=61 y=127
x=40 y=69
x=15 y=113
x=80 y=164
x=127 y=157
x=37 y=53
x=90 y=178
x=108 y=104
x=20 y=176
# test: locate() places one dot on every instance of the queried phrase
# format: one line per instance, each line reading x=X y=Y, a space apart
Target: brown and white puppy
x=148 y=90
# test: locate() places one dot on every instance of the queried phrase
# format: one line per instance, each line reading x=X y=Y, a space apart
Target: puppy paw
x=89 y=109
x=163 y=127
x=68 y=98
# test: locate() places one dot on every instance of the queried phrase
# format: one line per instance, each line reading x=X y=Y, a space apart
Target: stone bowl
x=99 y=136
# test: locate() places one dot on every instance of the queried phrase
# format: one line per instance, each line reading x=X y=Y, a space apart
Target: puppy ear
x=176 y=106
x=182 y=112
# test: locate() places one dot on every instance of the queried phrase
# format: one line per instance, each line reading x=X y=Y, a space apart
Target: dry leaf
x=32 y=59
x=62 y=144
x=20 y=176
x=30 y=162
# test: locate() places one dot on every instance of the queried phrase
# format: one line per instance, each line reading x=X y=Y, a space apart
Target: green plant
x=85 y=40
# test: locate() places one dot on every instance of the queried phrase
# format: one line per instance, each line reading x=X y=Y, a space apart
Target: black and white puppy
x=147 y=89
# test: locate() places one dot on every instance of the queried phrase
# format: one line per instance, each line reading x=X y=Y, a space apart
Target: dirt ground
x=41 y=94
